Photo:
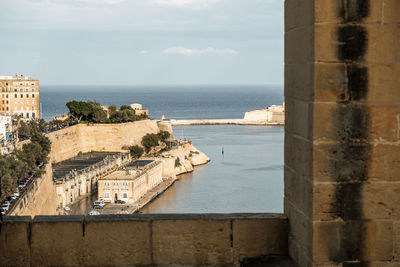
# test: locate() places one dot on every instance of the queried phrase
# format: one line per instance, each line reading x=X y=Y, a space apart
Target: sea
x=247 y=177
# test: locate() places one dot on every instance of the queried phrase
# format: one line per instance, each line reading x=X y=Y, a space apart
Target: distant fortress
x=273 y=115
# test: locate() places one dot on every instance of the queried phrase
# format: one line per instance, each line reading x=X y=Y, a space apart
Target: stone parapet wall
x=141 y=239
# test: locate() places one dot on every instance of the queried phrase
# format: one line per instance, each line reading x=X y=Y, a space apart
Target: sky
x=143 y=42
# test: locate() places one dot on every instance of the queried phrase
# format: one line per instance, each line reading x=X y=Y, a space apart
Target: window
x=125 y=195
x=26 y=89
x=116 y=186
x=106 y=195
x=15 y=95
x=33 y=89
x=21 y=90
x=27 y=102
x=125 y=185
x=33 y=96
x=27 y=115
x=33 y=115
x=106 y=185
x=15 y=102
x=33 y=101
x=22 y=102
x=15 y=90
x=27 y=95
x=22 y=95
x=33 y=108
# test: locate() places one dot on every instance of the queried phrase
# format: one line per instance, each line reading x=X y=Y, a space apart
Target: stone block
x=299 y=81
x=298 y=155
x=299 y=46
x=338 y=241
x=298 y=118
x=396 y=236
x=381 y=200
x=331 y=41
x=332 y=11
x=384 y=162
x=192 y=241
x=298 y=14
x=355 y=122
x=14 y=242
x=384 y=80
x=255 y=237
x=300 y=226
x=325 y=202
x=298 y=254
x=299 y=191
x=329 y=81
x=56 y=239
x=117 y=241
x=391 y=11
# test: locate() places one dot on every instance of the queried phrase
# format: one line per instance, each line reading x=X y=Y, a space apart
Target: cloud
x=143 y=52
x=100 y=2
x=187 y=3
x=180 y=50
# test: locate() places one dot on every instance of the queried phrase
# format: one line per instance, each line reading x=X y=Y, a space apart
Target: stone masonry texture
x=342 y=134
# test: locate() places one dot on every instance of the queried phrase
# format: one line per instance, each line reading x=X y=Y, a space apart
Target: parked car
x=94 y=212
x=5 y=206
x=16 y=193
x=119 y=201
x=99 y=204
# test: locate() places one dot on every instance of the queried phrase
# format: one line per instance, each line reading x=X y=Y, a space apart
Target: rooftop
x=61 y=169
x=16 y=77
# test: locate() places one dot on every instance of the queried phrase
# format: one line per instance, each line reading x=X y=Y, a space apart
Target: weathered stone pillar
x=342 y=134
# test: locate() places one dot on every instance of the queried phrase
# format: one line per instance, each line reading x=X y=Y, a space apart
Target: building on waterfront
x=78 y=176
x=132 y=182
x=19 y=96
x=6 y=134
x=274 y=114
x=138 y=108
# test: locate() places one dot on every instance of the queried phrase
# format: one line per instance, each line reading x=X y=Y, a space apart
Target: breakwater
x=221 y=122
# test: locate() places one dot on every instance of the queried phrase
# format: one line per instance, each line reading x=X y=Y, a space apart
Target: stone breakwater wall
x=141 y=239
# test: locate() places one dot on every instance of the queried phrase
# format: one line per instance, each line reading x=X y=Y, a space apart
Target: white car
x=98 y=204
x=93 y=212
x=16 y=194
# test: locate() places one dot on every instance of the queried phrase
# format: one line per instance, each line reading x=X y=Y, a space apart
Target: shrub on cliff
x=136 y=151
x=149 y=141
x=126 y=107
x=177 y=162
x=164 y=135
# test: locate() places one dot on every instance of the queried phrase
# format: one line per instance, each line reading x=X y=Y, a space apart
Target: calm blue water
x=247 y=178
x=178 y=102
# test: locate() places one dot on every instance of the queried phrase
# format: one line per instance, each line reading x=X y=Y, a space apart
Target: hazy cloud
x=188 y=3
x=143 y=52
x=180 y=50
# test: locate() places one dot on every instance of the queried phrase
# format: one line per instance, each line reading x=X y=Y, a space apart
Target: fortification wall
x=40 y=197
x=141 y=239
x=67 y=143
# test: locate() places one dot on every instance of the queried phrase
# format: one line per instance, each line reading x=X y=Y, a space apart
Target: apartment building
x=19 y=96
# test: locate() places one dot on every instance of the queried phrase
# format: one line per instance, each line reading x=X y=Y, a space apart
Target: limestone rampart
x=141 y=239
x=68 y=142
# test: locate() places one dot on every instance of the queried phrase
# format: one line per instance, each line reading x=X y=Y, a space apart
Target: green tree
x=149 y=141
x=125 y=107
x=136 y=151
x=177 y=162
x=164 y=135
